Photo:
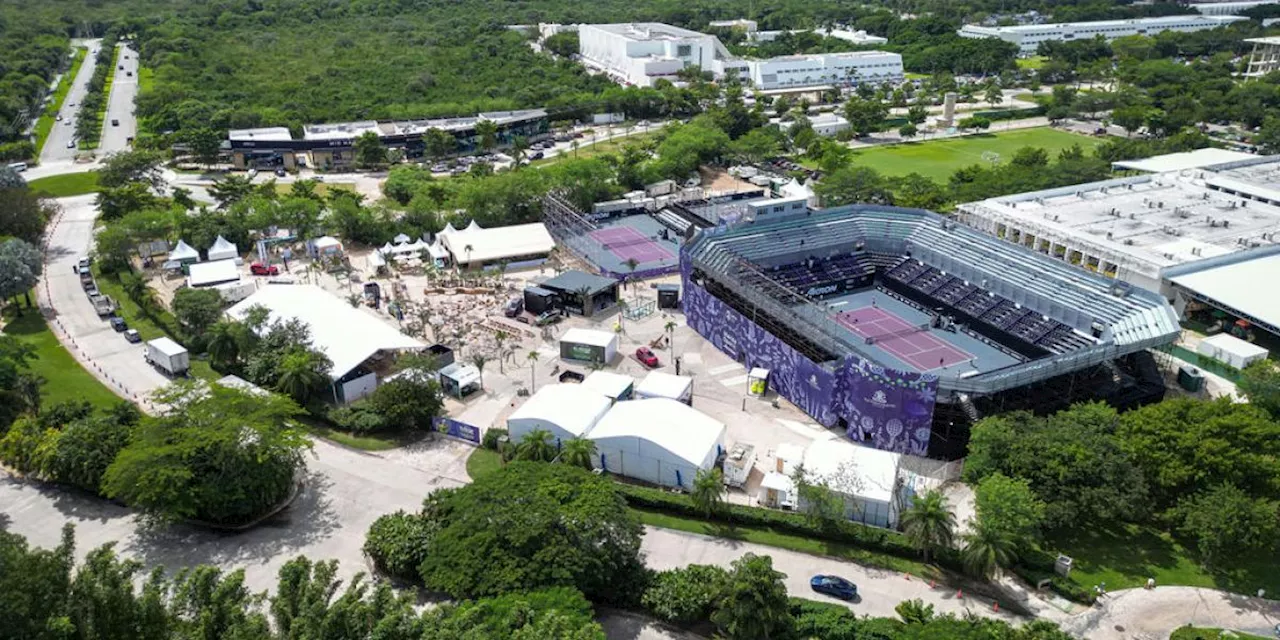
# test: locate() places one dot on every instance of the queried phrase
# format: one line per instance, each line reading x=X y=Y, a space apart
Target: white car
x=71 y=144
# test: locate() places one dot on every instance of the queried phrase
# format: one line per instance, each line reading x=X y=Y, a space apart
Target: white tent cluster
x=409 y=248
x=184 y=252
x=477 y=245
x=223 y=250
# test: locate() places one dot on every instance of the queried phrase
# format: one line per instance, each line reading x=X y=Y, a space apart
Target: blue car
x=834 y=586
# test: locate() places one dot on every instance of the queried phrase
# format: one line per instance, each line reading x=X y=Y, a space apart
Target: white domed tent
x=223 y=250
x=657 y=440
x=568 y=411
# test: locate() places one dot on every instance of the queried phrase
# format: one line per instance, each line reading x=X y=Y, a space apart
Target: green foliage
x=491 y=437
x=1226 y=522
x=538 y=445
x=1008 y=508
x=563 y=44
x=578 y=452
x=1071 y=460
x=1260 y=383
x=407 y=403
x=688 y=146
x=23 y=214
x=914 y=611
x=127 y=167
x=218 y=454
x=853 y=185
x=928 y=523
x=707 y=495
x=986 y=549
x=21 y=264
x=753 y=603
x=197 y=309
x=549 y=613
x=529 y=526
x=398 y=543
x=812 y=620
x=685 y=596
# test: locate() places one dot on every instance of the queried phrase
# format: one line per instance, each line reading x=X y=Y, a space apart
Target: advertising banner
x=459 y=430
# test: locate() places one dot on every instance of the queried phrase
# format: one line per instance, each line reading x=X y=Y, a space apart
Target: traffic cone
x=995 y=606
x=959 y=594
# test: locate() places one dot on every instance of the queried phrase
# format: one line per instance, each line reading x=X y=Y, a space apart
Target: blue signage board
x=459 y=430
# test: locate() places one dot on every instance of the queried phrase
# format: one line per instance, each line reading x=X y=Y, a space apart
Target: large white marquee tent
x=568 y=411
x=657 y=440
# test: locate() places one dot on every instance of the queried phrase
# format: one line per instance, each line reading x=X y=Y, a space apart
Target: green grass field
x=47 y=119
x=146 y=80
x=65 y=379
x=1202 y=633
x=483 y=462
x=1034 y=62
x=938 y=159
x=67 y=184
x=588 y=150
x=322 y=188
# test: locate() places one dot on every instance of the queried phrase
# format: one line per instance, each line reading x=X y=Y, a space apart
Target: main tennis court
x=910 y=343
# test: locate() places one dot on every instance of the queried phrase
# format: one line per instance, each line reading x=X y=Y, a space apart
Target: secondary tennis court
x=910 y=343
x=627 y=243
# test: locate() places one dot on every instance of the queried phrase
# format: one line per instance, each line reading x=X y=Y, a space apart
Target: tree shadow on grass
x=1127 y=549
x=1247 y=574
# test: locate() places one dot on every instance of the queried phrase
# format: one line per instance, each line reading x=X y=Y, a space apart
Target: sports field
x=939 y=159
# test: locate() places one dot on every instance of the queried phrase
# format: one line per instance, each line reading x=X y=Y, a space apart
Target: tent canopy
x=402 y=238
x=222 y=250
x=184 y=251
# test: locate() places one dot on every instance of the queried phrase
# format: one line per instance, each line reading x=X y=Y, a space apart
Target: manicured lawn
x=47 y=119
x=938 y=159
x=65 y=379
x=1202 y=633
x=587 y=150
x=1125 y=556
x=483 y=462
x=1034 y=62
x=766 y=536
x=322 y=188
x=67 y=184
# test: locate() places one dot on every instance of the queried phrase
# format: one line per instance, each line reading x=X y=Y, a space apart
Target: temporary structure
x=1231 y=350
x=402 y=238
x=568 y=411
x=658 y=440
x=223 y=250
x=660 y=384
x=327 y=246
x=184 y=253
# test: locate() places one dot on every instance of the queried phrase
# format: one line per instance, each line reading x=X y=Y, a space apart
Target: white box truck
x=168 y=356
x=738 y=464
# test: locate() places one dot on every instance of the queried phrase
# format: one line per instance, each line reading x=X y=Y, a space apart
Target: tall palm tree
x=479 y=360
x=353 y=299
x=532 y=357
x=298 y=376
x=670 y=328
x=987 y=549
x=223 y=342
x=536 y=446
x=582 y=299
x=631 y=265
x=578 y=452
x=708 y=492
x=488 y=132
x=500 y=337
x=519 y=145
x=929 y=524
x=622 y=313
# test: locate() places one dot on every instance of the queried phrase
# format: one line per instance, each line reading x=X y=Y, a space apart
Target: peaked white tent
x=402 y=238
x=568 y=411
x=184 y=253
x=438 y=250
x=473 y=227
x=657 y=440
x=448 y=229
x=223 y=250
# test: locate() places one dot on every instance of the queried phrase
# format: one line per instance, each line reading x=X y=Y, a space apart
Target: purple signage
x=885 y=408
x=459 y=430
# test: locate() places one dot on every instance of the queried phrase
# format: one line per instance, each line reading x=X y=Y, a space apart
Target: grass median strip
x=65 y=379
x=66 y=185
x=44 y=126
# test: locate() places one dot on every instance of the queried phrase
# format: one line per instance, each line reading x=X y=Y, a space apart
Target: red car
x=259 y=269
x=646 y=357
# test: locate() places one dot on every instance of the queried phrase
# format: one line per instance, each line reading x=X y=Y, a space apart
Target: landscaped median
x=65 y=185
x=48 y=119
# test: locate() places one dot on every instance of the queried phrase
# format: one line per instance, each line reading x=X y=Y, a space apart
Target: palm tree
x=578 y=452
x=582 y=293
x=987 y=549
x=631 y=265
x=353 y=300
x=670 y=328
x=532 y=357
x=574 y=145
x=622 y=313
x=500 y=337
x=519 y=145
x=928 y=523
x=536 y=446
x=223 y=342
x=708 y=492
x=298 y=376
x=479 y=360
x=488 y=132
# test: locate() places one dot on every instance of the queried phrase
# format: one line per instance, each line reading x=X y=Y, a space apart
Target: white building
x=660 y=384
x=828 y=124
x=749 y=26
x=1029 y=36
x=1227 y=8
x=641 y=53
x=867 y=479
x=803 y=70
x=351 y=337
x=516 y=243
x=1135 y=228
x=568 y=411
x=657 y=440
x=1227 y=348
x=856 y=37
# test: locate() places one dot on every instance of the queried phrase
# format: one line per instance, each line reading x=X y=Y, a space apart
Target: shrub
x=829 y=621
x=357 y=418
x=685 y=596
x=397 y=543
x=491 y=438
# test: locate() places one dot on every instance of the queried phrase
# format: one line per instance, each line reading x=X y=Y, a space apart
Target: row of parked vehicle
x=102 y=303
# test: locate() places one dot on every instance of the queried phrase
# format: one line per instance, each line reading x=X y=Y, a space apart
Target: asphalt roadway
x=55 y=147
x=124 y=88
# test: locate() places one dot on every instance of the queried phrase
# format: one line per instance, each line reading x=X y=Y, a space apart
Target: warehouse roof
x=574 y=280
x=674 y=426
x=348 y=335
x=1198 y=159
x=572 y=407
x=578 y=335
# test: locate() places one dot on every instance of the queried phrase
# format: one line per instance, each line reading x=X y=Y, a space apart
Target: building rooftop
x=1145 y=22
x=649 y=31
x=572 y=407
x=262 y=133
x=664 y=423
x=1198 y=159
x=1234 y=282
x=473 y=244
x=574 y=280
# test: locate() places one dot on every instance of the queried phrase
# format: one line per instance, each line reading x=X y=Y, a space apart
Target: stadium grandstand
x=901 y=327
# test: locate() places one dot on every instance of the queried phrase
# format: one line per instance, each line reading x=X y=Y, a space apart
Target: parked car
x=132 y=335
x=515 y=307
x=115 y=122
x=58 y=117
x=537 y=155
x=119 y=324
x=259 y=269
x=551 y=316
x=281 y=172
x=647 y=358
x=92 y=291
x=834 y=586
x=71 y=144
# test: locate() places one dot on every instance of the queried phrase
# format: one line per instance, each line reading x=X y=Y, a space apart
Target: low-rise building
x=845 y=68
x=1029 y=36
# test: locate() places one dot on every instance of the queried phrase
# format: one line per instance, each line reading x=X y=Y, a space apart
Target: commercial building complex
x=1230 y=8
x=641 y=53
x=1029 y=36
x=332 y=146
x=1135 y=228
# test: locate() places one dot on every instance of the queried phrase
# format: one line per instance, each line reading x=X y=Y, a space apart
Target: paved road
x=124 y=88
x=55 y=147
x=1138 y=614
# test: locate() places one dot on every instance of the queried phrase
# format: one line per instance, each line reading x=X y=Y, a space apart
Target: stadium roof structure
x=348 y=335
x=1121 y=319
x=1235 y=283
x=1197 y=159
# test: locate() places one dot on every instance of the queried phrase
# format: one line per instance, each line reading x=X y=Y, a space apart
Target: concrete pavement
x=124 y=88
x=55 y=147
x=1139 y=614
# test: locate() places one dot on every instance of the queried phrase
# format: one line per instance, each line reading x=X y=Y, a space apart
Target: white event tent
x=568 y=411
x=223 y=250
x=657 y=440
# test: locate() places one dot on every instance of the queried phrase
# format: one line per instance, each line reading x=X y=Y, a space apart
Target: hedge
x=851 y=533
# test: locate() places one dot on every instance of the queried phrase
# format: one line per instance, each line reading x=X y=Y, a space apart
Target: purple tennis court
x=910 y=343
x=627 y=243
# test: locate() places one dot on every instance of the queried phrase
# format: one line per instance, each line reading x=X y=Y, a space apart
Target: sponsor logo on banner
x=879 y=400
x=459 y=430
x=823 y=290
